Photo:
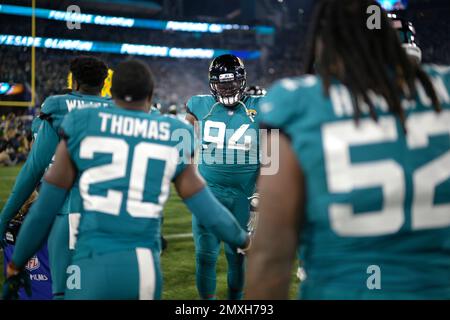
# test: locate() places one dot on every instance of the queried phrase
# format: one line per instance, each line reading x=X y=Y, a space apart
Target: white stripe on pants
x=74 y=223
x=147 y=277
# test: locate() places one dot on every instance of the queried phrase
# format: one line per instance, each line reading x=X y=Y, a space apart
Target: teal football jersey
x=126 y=161
x=56 y=107
x=377 y=222
x=228 y=142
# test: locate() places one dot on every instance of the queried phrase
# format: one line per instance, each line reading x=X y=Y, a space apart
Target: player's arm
x=190 y=115
x=57 y=182
x=208 y=210
x=190 y=118
x=280 y=211
x=31 y=173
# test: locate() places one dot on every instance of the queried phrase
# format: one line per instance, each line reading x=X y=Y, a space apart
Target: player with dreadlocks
x=89 y=74
x=362 y=190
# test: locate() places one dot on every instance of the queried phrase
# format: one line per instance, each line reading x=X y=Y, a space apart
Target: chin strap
x=249 y=114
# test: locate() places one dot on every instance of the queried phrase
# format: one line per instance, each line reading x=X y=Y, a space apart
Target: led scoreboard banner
x=131 y=22
x=117 y=48
x=121 y=48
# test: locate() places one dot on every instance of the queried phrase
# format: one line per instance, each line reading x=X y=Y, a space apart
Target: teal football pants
x=124 y=275
x=207 y=249
x=59 y=254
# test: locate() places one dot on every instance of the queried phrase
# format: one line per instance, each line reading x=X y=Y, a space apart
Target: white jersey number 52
x=344 y=176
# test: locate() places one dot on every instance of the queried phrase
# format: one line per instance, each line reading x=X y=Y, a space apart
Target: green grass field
x=178 y=261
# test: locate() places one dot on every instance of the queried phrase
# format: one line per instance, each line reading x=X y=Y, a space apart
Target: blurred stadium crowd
x=15 y=138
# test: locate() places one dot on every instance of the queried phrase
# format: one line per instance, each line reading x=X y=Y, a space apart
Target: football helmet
x=407 y=34
x=227 y=79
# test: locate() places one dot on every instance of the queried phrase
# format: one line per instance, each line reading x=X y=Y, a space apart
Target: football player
x=364 y=172
x=89 y=74
x=126 y=158
x=229 y=162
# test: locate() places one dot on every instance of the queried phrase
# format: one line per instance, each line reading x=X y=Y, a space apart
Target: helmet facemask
x=229 y=93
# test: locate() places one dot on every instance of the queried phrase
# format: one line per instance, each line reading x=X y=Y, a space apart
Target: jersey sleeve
x=280 y=108
x=38 y=160
x=190 y=107
x=74 y=123
x=199 y=105
x=54 y=111
x=49 y=106
x=35 y=125
x=68 y=127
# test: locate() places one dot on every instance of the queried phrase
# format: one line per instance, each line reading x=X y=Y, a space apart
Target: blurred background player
x=106 y=89
x=364 y=169
x=255 y=91
x=122 y=198
x=38 y=266
x=88 y=76
x=229 y=163
x=407 y=35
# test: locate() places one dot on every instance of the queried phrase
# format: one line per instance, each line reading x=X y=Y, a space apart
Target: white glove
x=243 y=251
x=253 y=221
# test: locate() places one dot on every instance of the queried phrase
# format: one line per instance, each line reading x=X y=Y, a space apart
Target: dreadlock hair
x=363 y=59
x=89 y=72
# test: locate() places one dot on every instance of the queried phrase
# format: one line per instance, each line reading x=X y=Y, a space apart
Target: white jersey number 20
x=119 y=150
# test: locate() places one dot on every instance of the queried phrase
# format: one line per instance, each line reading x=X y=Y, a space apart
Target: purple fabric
x=39 y=268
